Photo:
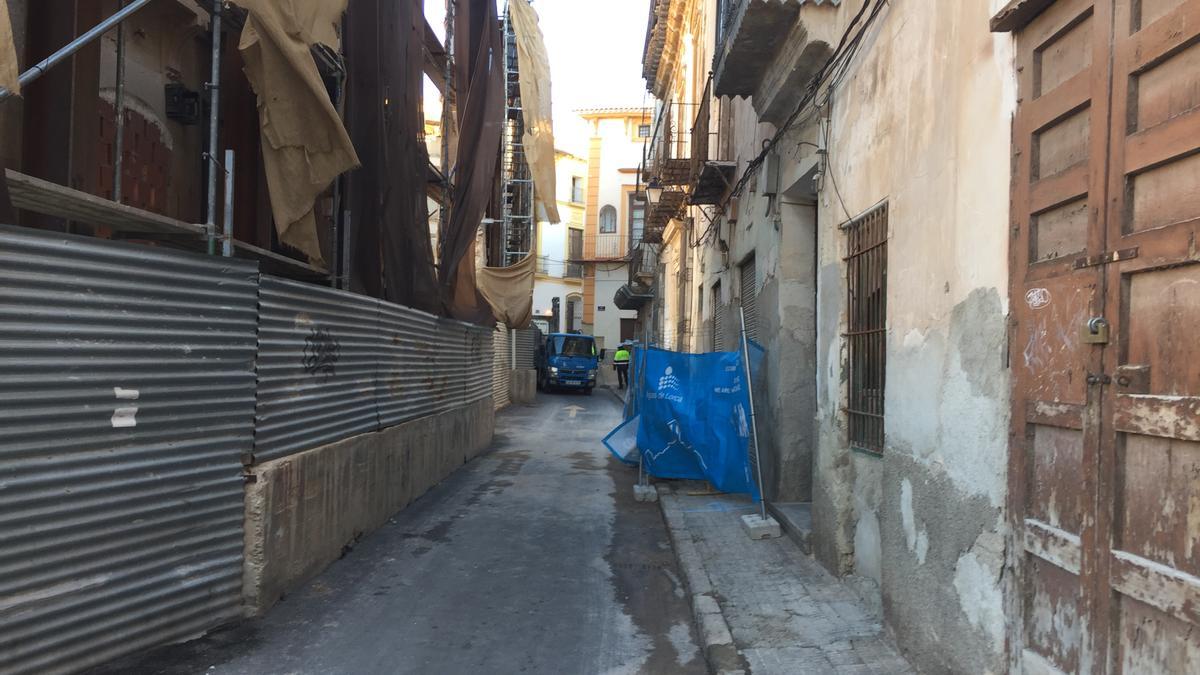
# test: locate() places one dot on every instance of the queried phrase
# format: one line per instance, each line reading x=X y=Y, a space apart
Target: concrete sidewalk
x=764 y=606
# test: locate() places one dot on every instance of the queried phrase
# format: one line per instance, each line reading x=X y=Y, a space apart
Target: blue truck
x=568 y=361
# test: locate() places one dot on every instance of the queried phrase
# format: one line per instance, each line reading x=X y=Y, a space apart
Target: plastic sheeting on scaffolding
x=480 y=88
x=536 y=106
x=9 y=73
x=509 y=290
x=305 y=145
x=689 y=418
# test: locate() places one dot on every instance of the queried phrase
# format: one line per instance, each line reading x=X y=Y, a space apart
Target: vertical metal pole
x=119 y=105
x=762 y=492
x=450 y=97
x=214 y=120
x=512 y=343
x=227 y=240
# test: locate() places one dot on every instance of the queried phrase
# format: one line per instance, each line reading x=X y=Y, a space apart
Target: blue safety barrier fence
x=688 y=416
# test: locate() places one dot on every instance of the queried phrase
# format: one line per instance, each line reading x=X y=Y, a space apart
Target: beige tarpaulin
x=536 y=105
x=305 y=146
x=9 y=73
x=509 y=290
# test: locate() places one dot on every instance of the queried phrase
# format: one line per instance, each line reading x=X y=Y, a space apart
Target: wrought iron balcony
x=712 y=168
x=770 y=50
x=602 y=247
x=668 y=152
x=552 y=267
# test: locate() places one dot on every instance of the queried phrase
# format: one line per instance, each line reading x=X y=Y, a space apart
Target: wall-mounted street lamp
x=654 y=191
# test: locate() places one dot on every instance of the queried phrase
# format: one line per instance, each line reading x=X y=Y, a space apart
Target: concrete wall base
x=302 y=510
x=522 y=385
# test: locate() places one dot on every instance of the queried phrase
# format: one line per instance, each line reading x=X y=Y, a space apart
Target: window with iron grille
x=866 y=326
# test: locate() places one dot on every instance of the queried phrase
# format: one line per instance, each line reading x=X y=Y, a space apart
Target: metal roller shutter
x=750 y=299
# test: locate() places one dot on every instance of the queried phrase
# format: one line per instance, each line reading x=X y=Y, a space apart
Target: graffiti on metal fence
x=321 y=352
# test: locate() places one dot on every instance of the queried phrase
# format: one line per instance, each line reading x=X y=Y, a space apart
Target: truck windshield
x=573 y=346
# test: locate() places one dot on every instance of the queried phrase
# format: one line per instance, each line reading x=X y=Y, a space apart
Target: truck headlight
x=591 y=374
x=553 y=370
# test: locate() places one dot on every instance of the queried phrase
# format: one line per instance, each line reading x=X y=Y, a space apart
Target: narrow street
x=534 y=558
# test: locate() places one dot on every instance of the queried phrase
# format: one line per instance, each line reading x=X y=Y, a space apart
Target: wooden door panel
x=1105 y=469
x=1058 y=210
x=1149 y=601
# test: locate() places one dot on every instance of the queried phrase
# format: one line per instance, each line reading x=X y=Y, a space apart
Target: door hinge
x=1106 y=258
x=1093 y=378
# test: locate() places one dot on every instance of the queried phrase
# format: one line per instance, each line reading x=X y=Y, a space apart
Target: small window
x=577 y=190
x=608 y=220
x=643 y=131
x=637 y=215
x=866 y=335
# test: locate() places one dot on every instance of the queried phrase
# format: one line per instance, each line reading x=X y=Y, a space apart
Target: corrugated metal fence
x=334 y=364
x=501 y=365
x=126 y=404
x=129 y=402
x=527 y=344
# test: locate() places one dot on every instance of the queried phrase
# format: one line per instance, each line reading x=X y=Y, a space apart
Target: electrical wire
x=814 y=100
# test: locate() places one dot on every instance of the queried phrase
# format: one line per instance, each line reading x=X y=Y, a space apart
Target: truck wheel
x=589 y=390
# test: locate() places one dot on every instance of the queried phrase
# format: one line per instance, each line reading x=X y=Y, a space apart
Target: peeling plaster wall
x=922 y=120
x=781 y=235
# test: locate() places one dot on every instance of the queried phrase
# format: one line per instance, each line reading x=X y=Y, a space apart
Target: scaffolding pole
x=517 y=181
x=119 y=110
x=214 y=120
x=40 y=68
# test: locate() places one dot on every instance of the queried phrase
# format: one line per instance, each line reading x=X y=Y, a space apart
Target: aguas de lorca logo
x=669 y=383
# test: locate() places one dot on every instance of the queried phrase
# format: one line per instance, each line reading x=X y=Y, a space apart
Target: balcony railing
x=643 y=264
x=712 y=168
x=605 y=247
x=668 y=152
x=553 y=267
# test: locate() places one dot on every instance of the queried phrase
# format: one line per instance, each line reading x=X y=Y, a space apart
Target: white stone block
x=758 y=527
x=645 y=493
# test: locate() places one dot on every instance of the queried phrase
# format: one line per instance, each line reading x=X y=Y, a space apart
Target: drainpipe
x=119 y=104
x=214 y=119
x=40 y=68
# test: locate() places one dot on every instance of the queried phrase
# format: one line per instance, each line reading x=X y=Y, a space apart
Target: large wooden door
x=1105 y=470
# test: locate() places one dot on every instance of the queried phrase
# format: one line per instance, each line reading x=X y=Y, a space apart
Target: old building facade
x=558 y=285
x=949 y=397
x=614 y=217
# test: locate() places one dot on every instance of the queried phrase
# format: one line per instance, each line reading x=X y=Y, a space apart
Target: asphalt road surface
x=532 y=559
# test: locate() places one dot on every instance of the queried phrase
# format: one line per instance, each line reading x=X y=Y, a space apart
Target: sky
x=595 y=49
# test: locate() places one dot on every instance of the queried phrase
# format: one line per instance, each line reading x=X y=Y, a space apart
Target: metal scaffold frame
x=516 y=190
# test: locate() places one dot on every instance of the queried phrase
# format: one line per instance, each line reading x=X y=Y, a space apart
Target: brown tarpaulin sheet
x=9 y=74
x=304 y=144
x=480 y=89
x=536 y=105
x=509 y=290
x=389 y=223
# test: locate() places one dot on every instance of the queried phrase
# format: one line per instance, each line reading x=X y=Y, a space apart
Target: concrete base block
x=304 y=510
x=522 y=386
x=645 y=493
x=759 y=528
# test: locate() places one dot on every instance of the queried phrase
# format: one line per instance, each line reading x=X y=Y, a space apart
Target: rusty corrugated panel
x=318 y=355
x=126 y=403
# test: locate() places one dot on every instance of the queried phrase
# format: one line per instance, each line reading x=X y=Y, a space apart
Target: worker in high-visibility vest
x=621 y=363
